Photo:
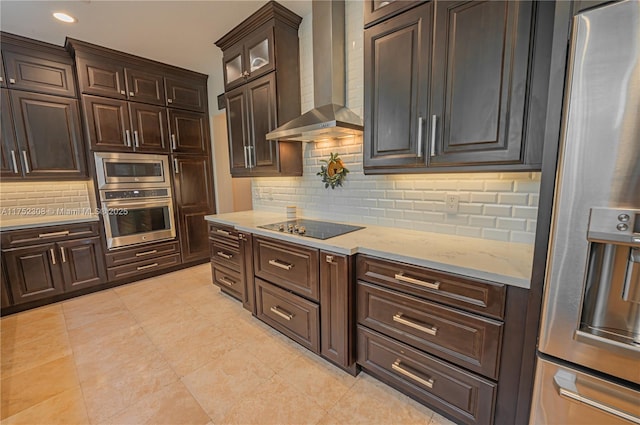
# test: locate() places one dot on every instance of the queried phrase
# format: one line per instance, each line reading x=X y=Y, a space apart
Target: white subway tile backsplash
x=498 y=186
x=497 y=206
x=497 y=210
x=513 y=198
x=46 y=196
x=511 y=223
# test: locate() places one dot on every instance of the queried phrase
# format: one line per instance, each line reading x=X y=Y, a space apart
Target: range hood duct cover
x=329 y=118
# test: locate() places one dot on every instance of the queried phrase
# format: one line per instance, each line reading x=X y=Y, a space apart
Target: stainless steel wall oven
x=136 y=198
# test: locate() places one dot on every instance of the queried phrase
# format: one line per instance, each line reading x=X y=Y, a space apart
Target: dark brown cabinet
x=379 y=10
x=139 y=261
x=262 y=91
x=112 y=78
x=479 y=82
x=5 y=297
x=149 y=128
x=231 y=264
x=189 y=132
x=3 y=80
x=118 y=125
x=251 y=114
x=397 y=65
x=337 y=341
x=462 y=101
x=47 y=261
x=48 y=135
x=33 y=272
x=40 y=74
x=194 y=199
x=249 y=59
x=82 y=263
x=435 y=336
x=186 y=93
x=10 y=167
x=107 y=123
x=41 y=130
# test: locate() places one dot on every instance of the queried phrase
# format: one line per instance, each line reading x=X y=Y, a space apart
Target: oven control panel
x=135 y=194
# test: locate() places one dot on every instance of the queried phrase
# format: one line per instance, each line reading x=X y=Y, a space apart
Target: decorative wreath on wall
x=334 y=172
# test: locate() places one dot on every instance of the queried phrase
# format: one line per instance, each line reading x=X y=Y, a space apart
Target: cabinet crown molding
x=271 y=10
x=84 y=49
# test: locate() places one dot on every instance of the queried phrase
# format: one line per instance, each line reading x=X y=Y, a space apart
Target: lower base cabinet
x=292 y=315
x=434 y=382
x=434 y=336
x=141 y=260
x=43 y=262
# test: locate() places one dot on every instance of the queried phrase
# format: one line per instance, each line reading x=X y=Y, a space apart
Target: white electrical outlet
x=451 y=203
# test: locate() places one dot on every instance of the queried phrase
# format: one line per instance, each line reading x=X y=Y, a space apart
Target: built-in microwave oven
x=131 y=170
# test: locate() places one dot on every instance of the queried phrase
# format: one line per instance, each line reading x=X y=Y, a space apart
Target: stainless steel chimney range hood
x=329 y=118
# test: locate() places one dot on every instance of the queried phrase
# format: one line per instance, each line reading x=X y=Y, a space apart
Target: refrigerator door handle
x=565 y=383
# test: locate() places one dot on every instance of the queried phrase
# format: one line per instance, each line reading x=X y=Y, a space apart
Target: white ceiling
x=179 y=33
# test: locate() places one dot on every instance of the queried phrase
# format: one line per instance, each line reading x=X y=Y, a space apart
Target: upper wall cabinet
x=109 y=73
x=41 y=131
x=262 y=91
x=132 y=104
x=250 y=58
x=376 y=11
x=471 y=99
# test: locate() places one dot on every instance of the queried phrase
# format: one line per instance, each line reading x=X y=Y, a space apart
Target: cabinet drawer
x=17 y=238
x=480 y=296
x=228 y=280
x=463 y=395
x=225 y=254
x=226 y=234
x=141 y=253
x=468 y=340
x=142 y=267
x=291 y=266
x=292 y=315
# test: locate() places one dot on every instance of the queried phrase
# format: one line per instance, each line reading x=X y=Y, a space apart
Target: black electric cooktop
x=312 y=228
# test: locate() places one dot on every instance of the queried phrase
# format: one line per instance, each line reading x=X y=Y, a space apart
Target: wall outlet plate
x=451 y=203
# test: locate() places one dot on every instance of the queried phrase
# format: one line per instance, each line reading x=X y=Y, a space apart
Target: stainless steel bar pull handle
x=142 y=254
x=277 y=263
x=434 y=125
x=251 y=152
x=148 y=266
x=400 y=319
x=14 y=162
x=64 y=257
x=226 y=282
x=128 y=136
x=136 y=139
x=174 y=143
x=285 y=315
x=419 y=139
x=224 y=255
x=565 y=383
x=431 y=285
x=426 y=382
x=175 y=166
x=224 y=232
x=53 y=234
x=25 y=158
x=53 y=256
x=246 y=164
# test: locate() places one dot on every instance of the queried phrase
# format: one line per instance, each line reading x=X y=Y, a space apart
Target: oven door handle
x=565 y=383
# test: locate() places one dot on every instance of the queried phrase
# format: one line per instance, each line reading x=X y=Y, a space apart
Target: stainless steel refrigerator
x=588 y=365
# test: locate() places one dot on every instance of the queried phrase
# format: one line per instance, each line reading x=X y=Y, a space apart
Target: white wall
x=498 y=206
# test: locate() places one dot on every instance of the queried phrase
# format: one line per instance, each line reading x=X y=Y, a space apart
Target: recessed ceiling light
x=61 y=16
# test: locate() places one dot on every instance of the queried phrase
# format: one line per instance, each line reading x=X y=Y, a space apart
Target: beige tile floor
x=174 y=350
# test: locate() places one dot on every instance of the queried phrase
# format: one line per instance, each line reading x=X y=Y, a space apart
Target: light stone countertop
x=503 y=262
x=41 y=221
